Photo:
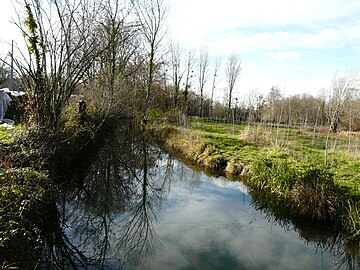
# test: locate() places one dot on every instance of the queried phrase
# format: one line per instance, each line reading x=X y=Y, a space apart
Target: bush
x=22 y=192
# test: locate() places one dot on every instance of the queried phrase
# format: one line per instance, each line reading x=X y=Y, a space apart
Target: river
x=136 y=207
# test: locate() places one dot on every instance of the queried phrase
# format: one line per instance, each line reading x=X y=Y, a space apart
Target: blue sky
x=296 y=45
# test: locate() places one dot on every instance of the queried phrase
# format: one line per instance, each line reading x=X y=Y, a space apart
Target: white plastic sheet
x=5 y=101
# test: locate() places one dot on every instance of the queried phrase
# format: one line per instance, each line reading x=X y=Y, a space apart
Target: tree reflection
x=137 y=238
x=113 y=214
x=58 y=252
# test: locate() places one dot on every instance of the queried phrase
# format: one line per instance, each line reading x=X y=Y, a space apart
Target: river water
x=135 y=207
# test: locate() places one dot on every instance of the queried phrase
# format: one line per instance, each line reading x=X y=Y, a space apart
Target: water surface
x=138 y=208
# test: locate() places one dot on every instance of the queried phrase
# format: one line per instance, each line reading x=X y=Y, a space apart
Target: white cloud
x=316 y=38
x=282 y=55
x=234 y=13
x=242 y=42
x=241 y=26
x=269 y=75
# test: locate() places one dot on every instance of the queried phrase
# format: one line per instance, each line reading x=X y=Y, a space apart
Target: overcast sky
x=296 y=45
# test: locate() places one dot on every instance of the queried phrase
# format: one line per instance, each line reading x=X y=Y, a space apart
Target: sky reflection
x=214 y=226
x=188 y=220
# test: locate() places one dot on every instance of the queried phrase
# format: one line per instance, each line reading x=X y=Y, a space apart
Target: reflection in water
x=139 y=208
x=346 y=253
x=113 y=214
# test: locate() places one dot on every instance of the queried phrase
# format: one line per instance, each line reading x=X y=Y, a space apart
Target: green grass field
x=248 y=143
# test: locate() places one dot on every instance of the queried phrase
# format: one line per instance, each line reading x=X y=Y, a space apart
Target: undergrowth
x=29 y=158
x=21 y=196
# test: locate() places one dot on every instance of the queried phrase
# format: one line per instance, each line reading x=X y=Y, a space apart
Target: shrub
x=22 y=192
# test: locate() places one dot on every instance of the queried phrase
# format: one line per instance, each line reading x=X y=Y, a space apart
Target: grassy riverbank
x=286 y=164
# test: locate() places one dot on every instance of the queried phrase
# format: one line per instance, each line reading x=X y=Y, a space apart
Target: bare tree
x=4 y=72
x=252 y=104
x=151 y=15
x=62 y=47
x=119 y=37
x=320 y=109
x=203 y=65
x=189 y=74
x=176 y=72
x=217 y=64
x=233 y=70
x=341 y=90
x=274 y=104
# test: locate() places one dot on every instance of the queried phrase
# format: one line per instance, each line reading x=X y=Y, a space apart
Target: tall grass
x=306 y=190
x=351 y=217
x=259 y=135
